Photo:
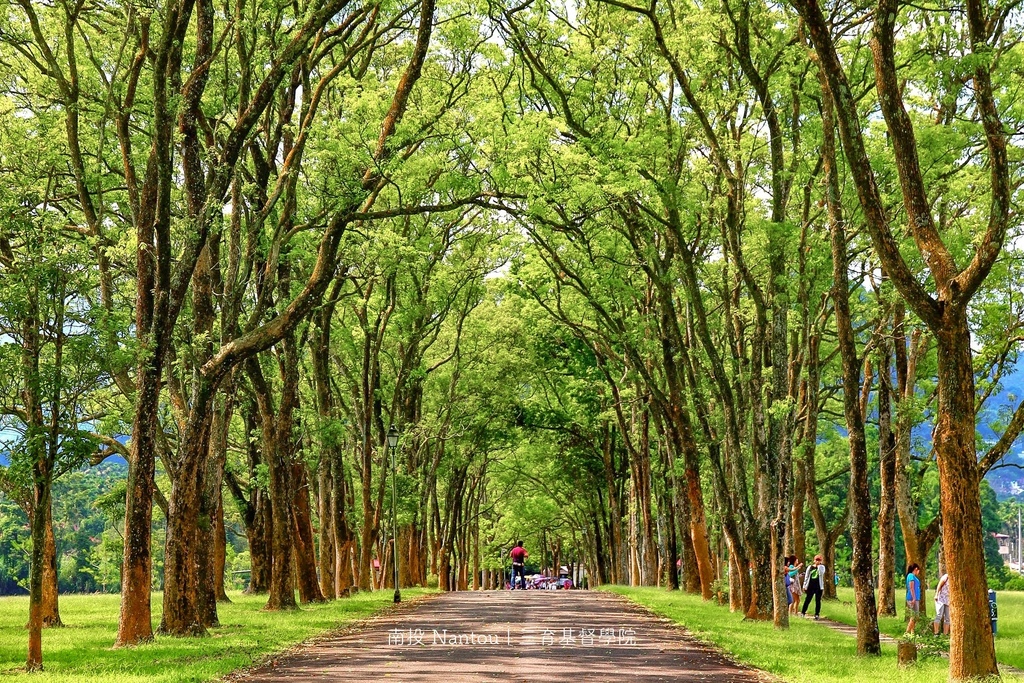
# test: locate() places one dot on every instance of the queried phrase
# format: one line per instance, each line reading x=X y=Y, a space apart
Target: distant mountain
x=1007 y=481
x=5 y=458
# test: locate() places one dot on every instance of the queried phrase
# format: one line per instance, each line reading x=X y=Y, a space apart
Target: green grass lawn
x=1010 y=631
x=82 y=650
x=806 y=652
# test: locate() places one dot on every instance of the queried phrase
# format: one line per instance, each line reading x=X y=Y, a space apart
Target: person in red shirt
x=519 y=556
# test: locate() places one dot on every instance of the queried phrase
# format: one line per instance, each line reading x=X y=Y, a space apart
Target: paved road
x=520 y=636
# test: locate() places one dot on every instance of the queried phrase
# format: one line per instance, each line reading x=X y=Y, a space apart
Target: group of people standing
x=809 y=582
x=941 y=621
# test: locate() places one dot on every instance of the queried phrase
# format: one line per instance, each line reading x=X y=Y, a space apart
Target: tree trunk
x=972 y=651
x=181 y=556
x=367 y=532
x=826 y=536
x=917 y=541
x=344 y=539
x=220 y=557
x=51 y=608
x=859 y=495
x=796 y=523
x=692 y=503
x=762 y=574
x=739 y=596
x=614 y=518
x=260 y=536
x=674 y=528
x=277 y=432
x=325 y=511
x=40 y=512
x=305 y=553
x=210 y=547
x=135 y=624
x=282 y=582
x=887 y=486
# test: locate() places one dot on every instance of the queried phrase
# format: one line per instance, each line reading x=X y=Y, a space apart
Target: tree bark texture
x=51 y=602
x=859 y=494
x=887 y=487
x=305 y=553
x=972 y=652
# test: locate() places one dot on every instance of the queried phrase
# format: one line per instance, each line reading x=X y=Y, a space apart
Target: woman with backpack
x=814 y=586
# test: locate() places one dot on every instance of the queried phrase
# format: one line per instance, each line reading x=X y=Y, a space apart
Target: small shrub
x=720 y=587
x=929 y=645
x=432 y=580
x=932 y=645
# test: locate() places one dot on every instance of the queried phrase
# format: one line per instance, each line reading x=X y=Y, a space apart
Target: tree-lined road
x=530 y=636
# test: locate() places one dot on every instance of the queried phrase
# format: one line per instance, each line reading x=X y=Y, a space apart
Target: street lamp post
x=393 y=444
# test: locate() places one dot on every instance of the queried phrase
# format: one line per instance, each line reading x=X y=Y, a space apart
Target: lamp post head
x=392 y=436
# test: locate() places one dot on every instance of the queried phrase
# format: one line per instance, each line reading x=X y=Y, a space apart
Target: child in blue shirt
x=913 y=594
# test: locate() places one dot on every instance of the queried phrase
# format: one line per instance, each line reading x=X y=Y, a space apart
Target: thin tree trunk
x=799 y=535
x=859 y=495
x=41 y=503
x=887 y=487
x=344 y=539
x=325 y=511
x=614 y=521
x=51 y=608
x=220 y=557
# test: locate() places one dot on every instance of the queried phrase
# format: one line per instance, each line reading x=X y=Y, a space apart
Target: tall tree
x=944 y=311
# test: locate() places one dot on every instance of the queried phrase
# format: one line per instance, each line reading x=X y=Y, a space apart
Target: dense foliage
x=670 y=291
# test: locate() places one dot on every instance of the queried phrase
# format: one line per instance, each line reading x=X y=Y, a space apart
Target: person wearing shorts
x=913 y=595
x=941 y=622
x=795 y=582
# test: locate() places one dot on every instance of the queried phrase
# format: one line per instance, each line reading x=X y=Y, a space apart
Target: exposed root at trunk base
x=132 y=642
x=281 y=608
x=196 y=630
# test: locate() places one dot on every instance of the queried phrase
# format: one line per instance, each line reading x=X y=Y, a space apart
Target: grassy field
x=82 y=651
x=1010 y=631
x=807 y=652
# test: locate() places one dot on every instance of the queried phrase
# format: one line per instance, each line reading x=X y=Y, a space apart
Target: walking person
x=941 y=622
x=519 y=556
x=814 y=586
x=913 y=595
